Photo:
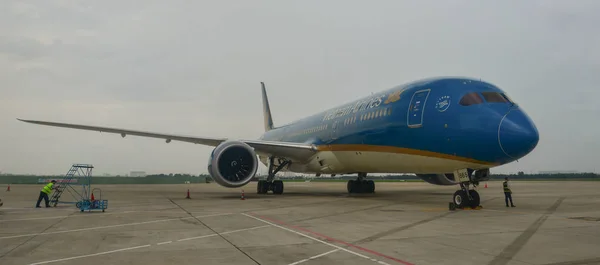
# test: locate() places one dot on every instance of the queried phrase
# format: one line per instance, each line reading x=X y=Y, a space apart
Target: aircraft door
x=416 y=108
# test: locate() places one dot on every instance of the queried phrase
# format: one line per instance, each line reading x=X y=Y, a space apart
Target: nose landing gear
x=466 y=197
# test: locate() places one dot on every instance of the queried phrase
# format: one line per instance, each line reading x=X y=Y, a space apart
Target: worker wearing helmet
x=44 y=194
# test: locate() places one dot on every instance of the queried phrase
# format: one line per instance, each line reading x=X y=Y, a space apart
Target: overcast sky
x=194 y=67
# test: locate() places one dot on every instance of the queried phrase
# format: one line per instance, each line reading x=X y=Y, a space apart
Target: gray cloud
x=195 y=67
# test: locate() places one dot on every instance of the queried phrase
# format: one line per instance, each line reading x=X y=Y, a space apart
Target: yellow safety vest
x=506 y=188
x=48 y=188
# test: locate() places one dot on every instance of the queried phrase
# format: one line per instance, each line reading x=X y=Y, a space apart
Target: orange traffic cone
x=188 y=194
x=243 y=195
x=485 y=185
x=8 y=189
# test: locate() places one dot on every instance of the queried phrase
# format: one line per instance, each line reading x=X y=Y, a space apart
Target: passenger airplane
x=446 y=130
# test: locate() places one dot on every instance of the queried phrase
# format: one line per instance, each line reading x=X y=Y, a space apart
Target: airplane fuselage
x=430 y=126
x=447 y=131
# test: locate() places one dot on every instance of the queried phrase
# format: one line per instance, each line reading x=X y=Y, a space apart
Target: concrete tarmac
x=311 y=223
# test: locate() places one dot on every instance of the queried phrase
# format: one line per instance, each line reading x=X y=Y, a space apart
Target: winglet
x=268 y=120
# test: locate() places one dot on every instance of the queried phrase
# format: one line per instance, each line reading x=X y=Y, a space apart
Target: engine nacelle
x=232 y=164
x=438 y=179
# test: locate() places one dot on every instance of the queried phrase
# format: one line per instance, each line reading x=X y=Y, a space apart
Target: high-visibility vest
x=48 y=188
x=505 y=185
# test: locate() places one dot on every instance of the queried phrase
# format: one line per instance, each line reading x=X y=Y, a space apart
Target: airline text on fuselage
x=358 y=106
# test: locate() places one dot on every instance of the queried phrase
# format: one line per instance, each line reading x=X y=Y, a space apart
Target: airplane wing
x=295 y=151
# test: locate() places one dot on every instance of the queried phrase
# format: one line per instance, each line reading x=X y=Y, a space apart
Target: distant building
x=137 y=174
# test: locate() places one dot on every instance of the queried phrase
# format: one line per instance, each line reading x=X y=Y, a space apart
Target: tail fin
x=268 y=120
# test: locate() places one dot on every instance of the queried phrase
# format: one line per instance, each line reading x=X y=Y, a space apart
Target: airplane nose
x=517 y=134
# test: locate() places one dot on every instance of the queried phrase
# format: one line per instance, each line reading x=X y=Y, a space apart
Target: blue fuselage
x=451 y=118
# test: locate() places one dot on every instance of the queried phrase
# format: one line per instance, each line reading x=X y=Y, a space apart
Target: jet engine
x=232 y=164
x=438 y=179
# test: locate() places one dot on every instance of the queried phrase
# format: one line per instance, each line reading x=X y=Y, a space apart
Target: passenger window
x=494 y=97
x=471 y=99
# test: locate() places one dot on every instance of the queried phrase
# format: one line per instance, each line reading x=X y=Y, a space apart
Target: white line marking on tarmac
x=144 y=246
x=79 y=215
x=111 y=226
x=224 y=233
x=315 y=257
x=90 y=255
x=34 y=218
x=196 y=237
x=315 y=239
x=65 y=216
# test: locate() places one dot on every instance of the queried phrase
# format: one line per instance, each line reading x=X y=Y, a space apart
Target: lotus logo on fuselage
x=442 y=103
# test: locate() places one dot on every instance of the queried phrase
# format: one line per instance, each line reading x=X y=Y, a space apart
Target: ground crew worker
x=44 y=194
x=507 y=192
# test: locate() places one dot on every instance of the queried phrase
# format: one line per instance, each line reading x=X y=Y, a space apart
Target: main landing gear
x=361 y=185
x=465 y=197
x=276 y=186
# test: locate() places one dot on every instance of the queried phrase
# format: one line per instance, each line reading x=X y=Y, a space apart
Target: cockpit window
x=494 y=97
x=471 y=99
x=507 y=98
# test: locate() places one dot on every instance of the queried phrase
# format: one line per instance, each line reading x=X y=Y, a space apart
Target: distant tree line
x=207 y=178
x=522 y=175
x=176 y=175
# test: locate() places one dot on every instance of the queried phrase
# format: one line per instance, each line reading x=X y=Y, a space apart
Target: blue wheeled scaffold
x=78 y=175
x=93 y=204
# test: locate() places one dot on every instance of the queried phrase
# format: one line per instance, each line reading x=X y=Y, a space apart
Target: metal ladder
x=75 y=172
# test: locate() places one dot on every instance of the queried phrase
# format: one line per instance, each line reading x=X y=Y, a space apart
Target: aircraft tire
x=350 y=186
x=360 y=186
x=460 y=199
x=278 y=187
x=476 y=199
x=262 y=187
x=370 y=186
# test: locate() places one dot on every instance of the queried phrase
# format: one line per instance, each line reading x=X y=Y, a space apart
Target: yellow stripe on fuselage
x=397 y=150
